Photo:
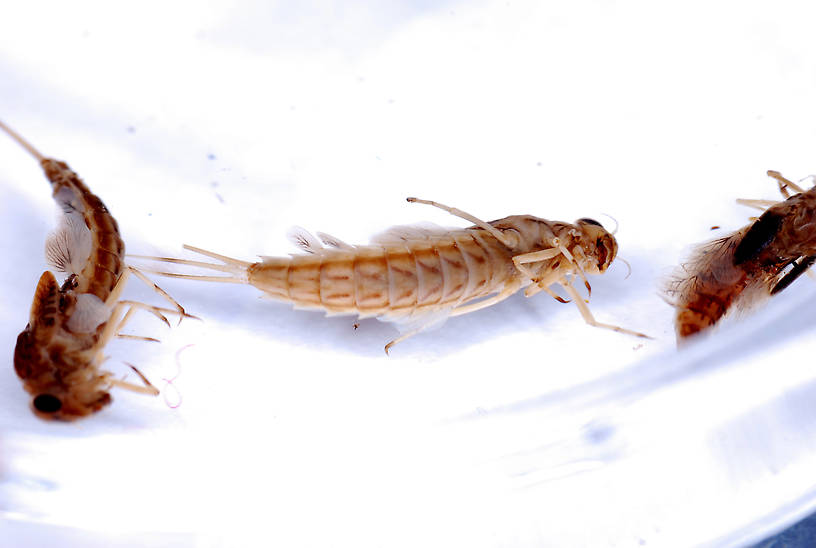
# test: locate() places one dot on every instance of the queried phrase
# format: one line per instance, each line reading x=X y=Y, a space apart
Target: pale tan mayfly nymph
x=417 y=277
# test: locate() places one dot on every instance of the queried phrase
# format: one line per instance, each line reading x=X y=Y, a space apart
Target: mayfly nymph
x=418 y=276
x=59 y=352
x=755 y=262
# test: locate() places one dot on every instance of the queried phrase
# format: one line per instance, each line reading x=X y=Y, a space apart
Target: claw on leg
x=145 y=388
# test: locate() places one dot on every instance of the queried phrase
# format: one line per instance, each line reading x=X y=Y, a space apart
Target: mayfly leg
x=496 y=233
x=118 y=319
x=784 y=184
x=587 y=315
x=155 y=287
x=146 y=387
x=555 y=251
x=761 y=205
x=484 y=303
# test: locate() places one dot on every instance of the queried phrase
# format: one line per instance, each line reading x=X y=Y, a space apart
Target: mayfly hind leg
x=496 y=233
x=440 y=316
x=122 y=311
x=484 y=303
x=406 y=335
x=155 y=287
x=402 y=338
x=587 y=315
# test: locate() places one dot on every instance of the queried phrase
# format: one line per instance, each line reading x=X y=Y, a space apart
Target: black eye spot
x=46 y=403
x=589 y=221
x=600 y=248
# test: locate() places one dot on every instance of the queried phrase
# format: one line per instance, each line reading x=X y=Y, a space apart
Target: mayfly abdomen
x=429 y=273
x=371 y=287
x=402 y=278
x=455 y=274
x=271 y=276
x=488 y=263
x=303 y=280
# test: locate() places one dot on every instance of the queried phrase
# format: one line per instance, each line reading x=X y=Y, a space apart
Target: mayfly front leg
x=558 y=249
x=543 y=255
x=587 y=315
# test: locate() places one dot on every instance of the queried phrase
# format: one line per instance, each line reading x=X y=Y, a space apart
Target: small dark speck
x=538 y=164
x=211 y=156
x=220 y=199
x=642 y=542
x=130 y=129
x=150 y=214
x=390 y=101
x=598 y=433
x=715 y=227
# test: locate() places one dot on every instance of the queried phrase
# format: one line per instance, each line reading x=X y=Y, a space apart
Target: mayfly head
x=60 y=389
x=65 y=385
x=599 y=246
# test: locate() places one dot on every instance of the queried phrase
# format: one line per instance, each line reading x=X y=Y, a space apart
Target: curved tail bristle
x=236 y=267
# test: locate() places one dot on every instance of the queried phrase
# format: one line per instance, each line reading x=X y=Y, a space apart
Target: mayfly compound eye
x=589 y=221
x=47 y=403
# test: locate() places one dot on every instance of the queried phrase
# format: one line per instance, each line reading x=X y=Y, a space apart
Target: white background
x=221 y=125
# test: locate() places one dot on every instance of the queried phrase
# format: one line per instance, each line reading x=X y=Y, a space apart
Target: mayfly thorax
x=59 y=353
x=750 y=265
x=417 y=277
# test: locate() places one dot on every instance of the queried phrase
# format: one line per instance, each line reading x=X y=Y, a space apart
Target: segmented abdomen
x=705 y=307
x=106 y=260
x=391 y=279
x=712 y=284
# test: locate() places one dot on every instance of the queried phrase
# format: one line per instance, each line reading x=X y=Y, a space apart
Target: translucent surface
x=518 y=425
